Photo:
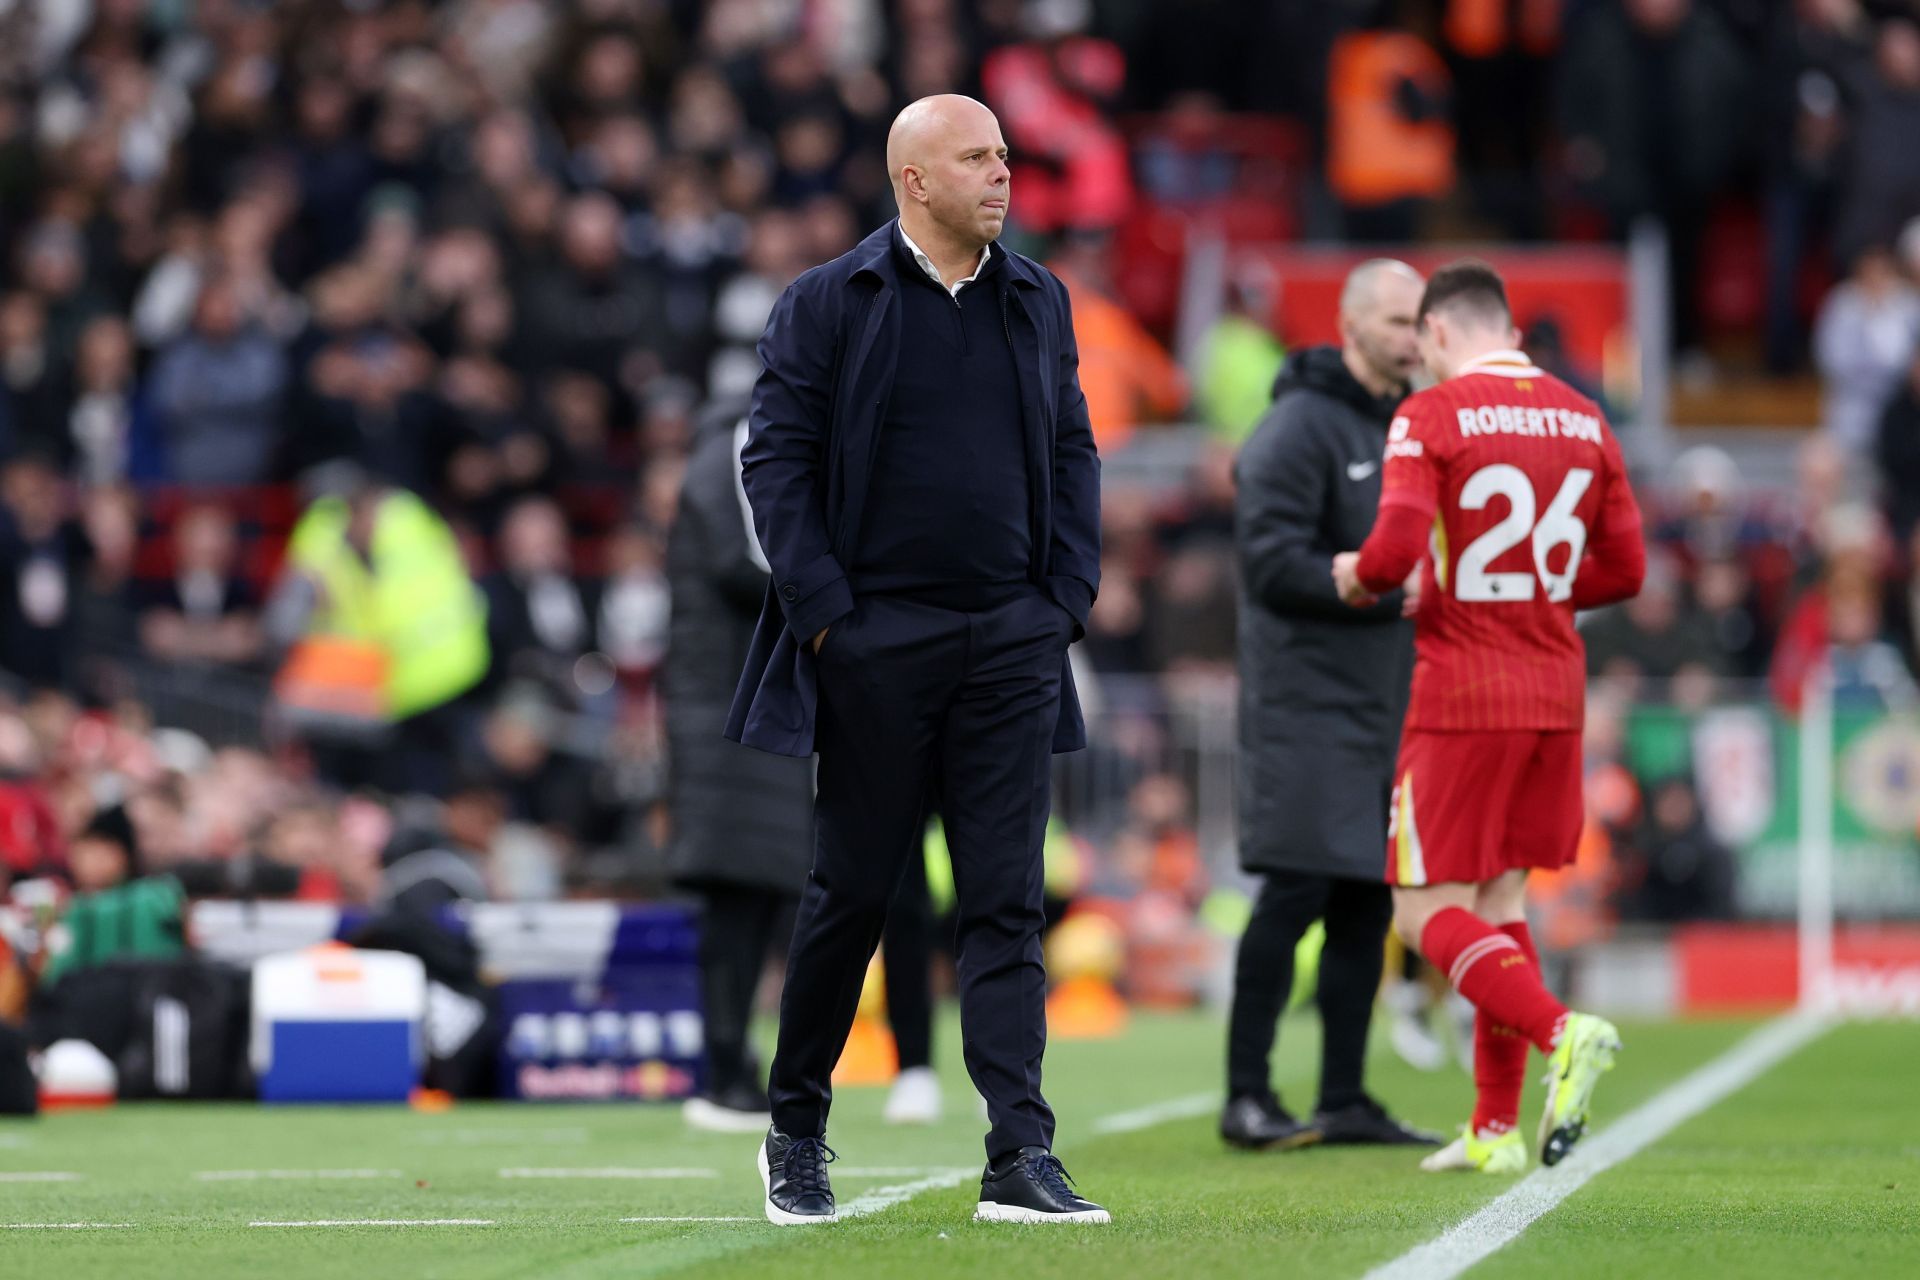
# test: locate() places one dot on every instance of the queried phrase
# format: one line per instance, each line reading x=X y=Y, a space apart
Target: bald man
x=924 y=484
x=1322 y=692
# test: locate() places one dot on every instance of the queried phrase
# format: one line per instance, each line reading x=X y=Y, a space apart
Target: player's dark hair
x=1469 y=288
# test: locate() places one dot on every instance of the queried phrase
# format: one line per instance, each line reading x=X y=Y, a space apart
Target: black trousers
x=738 y=924
x=914 y=698
x=1357 y=913
x=906 y=948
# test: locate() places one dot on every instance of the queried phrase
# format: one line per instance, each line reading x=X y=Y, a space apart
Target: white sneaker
x=915 y=1098
x=714 y=1116
x=1415 y=1042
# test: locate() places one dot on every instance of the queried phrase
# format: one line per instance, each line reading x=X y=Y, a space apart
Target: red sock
x=1518 y=931
x=1500 y=1057
x=1492 y=971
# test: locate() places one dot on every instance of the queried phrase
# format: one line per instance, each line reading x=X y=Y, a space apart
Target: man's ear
x=913 y=182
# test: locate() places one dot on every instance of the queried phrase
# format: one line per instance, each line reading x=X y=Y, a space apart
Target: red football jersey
x=1521 y=484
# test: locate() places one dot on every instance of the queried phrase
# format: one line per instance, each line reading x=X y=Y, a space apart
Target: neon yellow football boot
x=1480 y=1153
x=1583 y=1053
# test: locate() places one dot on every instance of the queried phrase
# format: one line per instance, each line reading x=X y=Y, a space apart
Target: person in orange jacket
x=1126 y=375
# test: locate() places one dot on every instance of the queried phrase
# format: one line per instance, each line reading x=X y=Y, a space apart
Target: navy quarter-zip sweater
x=949 y=513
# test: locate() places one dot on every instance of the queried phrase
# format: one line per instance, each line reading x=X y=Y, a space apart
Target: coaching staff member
x=924 y=483
x=1322 y=692
x=742 y=820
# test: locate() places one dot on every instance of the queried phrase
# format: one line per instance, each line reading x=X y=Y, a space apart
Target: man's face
x=1381 y=327
x=965 y=177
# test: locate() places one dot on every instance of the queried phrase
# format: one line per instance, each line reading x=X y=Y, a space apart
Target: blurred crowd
x=350 y=351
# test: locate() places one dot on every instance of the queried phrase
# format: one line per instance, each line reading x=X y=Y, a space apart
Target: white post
x=1816 y=842
x=1651 y=442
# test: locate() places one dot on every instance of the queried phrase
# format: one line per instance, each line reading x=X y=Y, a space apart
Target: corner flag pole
x=1816 y=842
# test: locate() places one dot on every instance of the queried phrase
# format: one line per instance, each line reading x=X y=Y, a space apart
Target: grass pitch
x=1812 y=1170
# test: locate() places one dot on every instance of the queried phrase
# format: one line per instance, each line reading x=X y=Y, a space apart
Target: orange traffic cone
x=1085 y=1009
x=869 y=1056
x=1085 y=952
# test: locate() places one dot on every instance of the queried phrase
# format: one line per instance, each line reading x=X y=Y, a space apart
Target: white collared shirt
x=933 y=272
x=1505 y=364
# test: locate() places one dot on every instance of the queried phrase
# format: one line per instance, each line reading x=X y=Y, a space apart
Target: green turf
x=1810 y=1171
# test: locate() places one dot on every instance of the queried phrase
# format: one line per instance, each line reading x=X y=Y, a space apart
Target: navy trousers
x=915 y=697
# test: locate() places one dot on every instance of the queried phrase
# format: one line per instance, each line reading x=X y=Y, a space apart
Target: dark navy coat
x=828 y=358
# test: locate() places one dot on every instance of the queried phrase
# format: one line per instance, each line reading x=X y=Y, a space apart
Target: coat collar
x=874 y=257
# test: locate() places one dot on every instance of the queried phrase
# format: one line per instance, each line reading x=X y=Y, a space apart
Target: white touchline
x=41 y=1177
x=1194 y=1104
x=1500 y=1222
x=610 y=1173
x=382 y=1222
x=502 y=1137
x=903 y=1171
x=288 y=1175
x=693 y=1219
x=886 y=1197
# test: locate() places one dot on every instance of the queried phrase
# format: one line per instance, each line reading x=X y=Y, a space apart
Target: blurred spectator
x=1657 y=636
x=43 y=553
x=101 y=430
x=524 y=768
x=1650 y=104
x=54 y=266
x=1840 y=621
x=1115 y=639
x=1863 y=341
x=1713 y=516
x=1723 y=594
x=1390 y=140
x=1127 y=377
x=1190 y=623
x=32 y=843
x=635 y=603
x=1053 y=93
x=437 y=857
x=1898 y=452
x=1675 y=869
x=775 y=254
x=334 y=170
x=117 y=910
x=540 y=622
x=1867 y=670
x=219 y=392
x=387 y=623
x=32 y=389
x=1811 y=46
x=1881 y=186
x=206 y=612
x=1500 y=55
x=1239 y=359
x=105 y=628
x=593 y=311
x=742 y=819
x=364 y=390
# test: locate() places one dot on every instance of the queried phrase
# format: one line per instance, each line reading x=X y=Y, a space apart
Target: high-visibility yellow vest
x=415 y=601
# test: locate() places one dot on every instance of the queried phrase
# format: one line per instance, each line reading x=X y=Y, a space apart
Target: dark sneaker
x=740 y=1109
x=1257 y=1122
x=794 y=1173
x=1366 y=1123
x=1032 y=1186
